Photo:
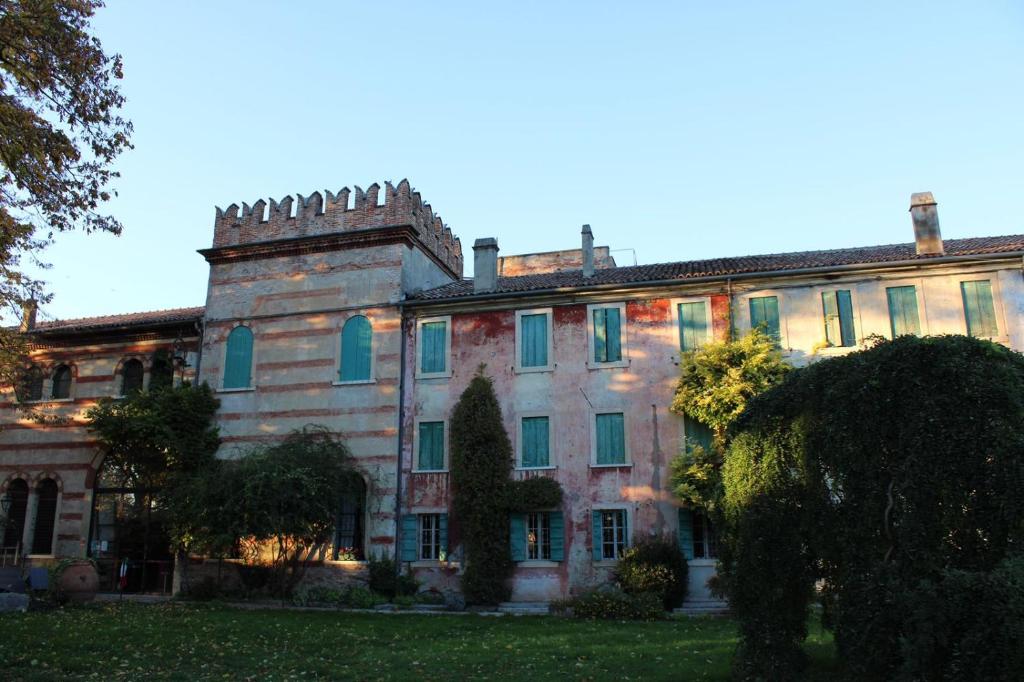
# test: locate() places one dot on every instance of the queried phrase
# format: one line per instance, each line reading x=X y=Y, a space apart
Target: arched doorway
x=17 y=496
x=127 y=534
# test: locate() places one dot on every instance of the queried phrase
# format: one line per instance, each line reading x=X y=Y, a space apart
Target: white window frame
x=674 y=304
x=447 y=319
x=997 y=303
x=627 y=513
x=706 y=527
x=222 y=370
x=922 y=310
x=625 y=436
x=540 y=545
x=435 y=537
x=519 y=341
x=416 y=446
x=858 y=334
x=337 y=353
x=744 y=313
x=552 y=464
x=592 y=338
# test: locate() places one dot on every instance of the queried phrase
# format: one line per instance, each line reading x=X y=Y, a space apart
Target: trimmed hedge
x=607 y=603
x=655 y=566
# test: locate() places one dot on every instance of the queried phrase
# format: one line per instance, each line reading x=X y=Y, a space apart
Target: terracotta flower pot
x=79 y=582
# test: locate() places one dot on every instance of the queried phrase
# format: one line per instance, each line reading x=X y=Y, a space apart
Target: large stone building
x=351 y=311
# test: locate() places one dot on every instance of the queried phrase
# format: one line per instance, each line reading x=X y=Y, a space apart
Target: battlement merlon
x=332 y=212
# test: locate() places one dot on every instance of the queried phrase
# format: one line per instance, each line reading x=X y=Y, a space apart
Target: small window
x=903 y=315
x=693 y=325
x=764 y=315
x=536 y=440
x=429 y=537
x=238 y=358
x=705 y=539
x=61 y=383
x=17 y=495
x=434 y=339
x=132 y=373
x=837 y=307
x=356 y=349
x=46 y=517
x=533 y=340
x=610 y=436
x=607 y=334
x=538 y=536
x=161 y=371
x=32 y=384
x=430 y=448
x=610 y=536
x=979 y=309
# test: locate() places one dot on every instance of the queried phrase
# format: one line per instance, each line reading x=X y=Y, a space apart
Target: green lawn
x=179 y=641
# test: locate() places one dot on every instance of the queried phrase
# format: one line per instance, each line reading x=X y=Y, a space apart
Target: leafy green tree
x=716 y=382
x=60 y=130
x=481 y=468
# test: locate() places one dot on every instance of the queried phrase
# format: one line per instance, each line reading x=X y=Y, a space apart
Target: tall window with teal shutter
x=610 y=534
x=903 y=315
x=693 y=325
x=610 y=439
x=537 y=536
x=433 y=343
x=606 y=323
x=764 y=315
x=979 y=309
x=535 y=443
x=356 y=349
x=533 y=340
x=430 y=446
x=837 y=308
x=238 y=358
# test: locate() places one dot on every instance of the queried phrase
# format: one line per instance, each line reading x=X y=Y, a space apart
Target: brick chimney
x=485 y=265
x=28 y=315
x=588 y=252
x=926 y=224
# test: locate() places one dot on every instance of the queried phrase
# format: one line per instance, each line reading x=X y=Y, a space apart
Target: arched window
x=161 y=371
x=356 y=349
x=131 y=376
x=61 y=382
x=46 y=516
x=32 y=384
x=348 y=530
x=17 y=494
x=238 y=358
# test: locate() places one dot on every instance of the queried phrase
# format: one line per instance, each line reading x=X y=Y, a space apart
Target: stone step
x=702 y=608
x=521 y=608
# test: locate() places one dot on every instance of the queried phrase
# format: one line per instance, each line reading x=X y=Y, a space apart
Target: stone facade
x=295 y=272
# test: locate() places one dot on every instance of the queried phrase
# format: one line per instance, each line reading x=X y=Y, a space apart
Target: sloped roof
x=725 y=267
x=144 y=319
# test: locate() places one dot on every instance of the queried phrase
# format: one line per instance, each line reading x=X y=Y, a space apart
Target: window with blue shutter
x=433 y=537
x=557 y=536
x=356 y=349
x=686 y=533
x=409 y=538
x=611 y=438
x=607 y=335
x=433 y=347
x=698 y=433
x=764 y=315
x=238 y=359
x=533 y=340
x=431 y=447
x=517 y=536
x=979 y=310
x=837 y=307
x=536 y=441
x=693 y=325
x=610 y=534
x=903 y=316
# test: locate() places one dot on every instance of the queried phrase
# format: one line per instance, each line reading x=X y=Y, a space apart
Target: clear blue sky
x=680 y=130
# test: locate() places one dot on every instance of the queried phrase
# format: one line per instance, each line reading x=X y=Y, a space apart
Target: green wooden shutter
x=442 y=524
x=238 y=359
x=979 y=308
x=693 y=325
x=557 y=536
x=903 y=316
x=409 y=540
x=595 y=534
x=699 y=433
x=625 y=528
x=764 y=315
x=611 y=439
x=686 y=533
x=847 y=336
x=356 y=349
x=433 y=347
x=600 y=336
x=431 y=446
x=830 y=308
x=613 y=332
x=535 y=442
x=534 y=340
x=517 y=536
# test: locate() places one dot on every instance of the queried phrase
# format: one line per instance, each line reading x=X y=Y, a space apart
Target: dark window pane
x=62 y=382
x=131 y=377
x=46 y=517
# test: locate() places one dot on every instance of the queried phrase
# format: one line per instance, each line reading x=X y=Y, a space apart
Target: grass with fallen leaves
x=187 y=641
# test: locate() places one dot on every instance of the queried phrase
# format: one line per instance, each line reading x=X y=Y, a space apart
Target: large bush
x=877 y=473
x=654 y=566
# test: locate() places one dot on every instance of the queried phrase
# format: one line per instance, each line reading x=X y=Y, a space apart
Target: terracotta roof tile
x=724 y=267
x=153 y=317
